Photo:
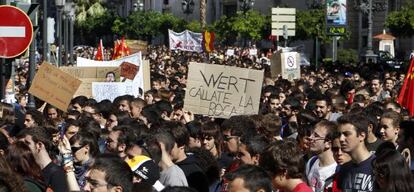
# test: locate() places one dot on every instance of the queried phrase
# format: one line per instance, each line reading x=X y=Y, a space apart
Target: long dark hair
x=391 y=167
x=211 y=129
x=23 y=162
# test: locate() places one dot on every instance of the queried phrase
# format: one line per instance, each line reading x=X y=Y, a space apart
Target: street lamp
x=245 y=5
x=66 y=10
x=59 y=5
x=187 y=6
x=368 y=7
x=71 y=18
x=138 y=6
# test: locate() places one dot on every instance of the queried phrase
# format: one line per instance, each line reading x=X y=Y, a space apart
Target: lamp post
x=369 y=7
x=59 y=5
x=138 y=5
x=187 y=6
x=245 y=5
x=32 y=57
x=71 y=18
x=45 y=46
x=66 y=10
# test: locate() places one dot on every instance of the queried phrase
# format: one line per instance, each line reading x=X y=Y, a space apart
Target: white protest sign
x=290 y=60
x=285 y=64
x=185 y=41
x=135 y=59
x=230 y=52
x=111 y=90
x=222 y=91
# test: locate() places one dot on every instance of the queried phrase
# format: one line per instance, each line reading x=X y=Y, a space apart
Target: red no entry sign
x=16 y=31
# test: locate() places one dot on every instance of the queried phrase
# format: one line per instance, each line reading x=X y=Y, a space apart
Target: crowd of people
x=334 y=129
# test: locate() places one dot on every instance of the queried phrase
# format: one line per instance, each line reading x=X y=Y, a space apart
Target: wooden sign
x=54 y=86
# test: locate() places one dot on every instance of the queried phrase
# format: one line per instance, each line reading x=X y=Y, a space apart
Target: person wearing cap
x=146 y=172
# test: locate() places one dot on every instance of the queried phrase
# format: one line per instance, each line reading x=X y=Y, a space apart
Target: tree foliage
x=223 y=30
x=401 y=23
x=347 y=56
x=248 y=25
x=311 y=24
x=145 y=25
x=93 y=21
x=194 y=26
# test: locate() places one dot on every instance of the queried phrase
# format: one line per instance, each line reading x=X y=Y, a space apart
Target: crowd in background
x=337 y=128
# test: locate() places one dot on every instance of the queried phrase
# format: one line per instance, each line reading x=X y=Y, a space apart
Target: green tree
x=401 y=23
x=249 y=24
x=310 y=24
x=223 y=30
x=194 y=26
x=93 y=22
x=347 y=56
x=146 y=25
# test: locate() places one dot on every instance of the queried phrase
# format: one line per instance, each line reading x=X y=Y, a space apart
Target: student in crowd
x=284 y=162
x=390 y=127
x=40 y=143
x=249 y=178
x=322 y=165
x=109 y=173
x=356 y=174
x=391 y=172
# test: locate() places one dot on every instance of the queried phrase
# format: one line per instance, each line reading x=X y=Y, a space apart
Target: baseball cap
x=147 y=170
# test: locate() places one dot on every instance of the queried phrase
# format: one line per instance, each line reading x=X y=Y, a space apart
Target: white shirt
x=316 y=175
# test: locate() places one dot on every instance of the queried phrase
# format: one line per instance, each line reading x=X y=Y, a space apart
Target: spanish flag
x=406 y=97
x=208 y=41
x=99 y=53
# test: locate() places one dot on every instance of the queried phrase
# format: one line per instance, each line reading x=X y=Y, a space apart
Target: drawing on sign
x=291 y=61
x=129 y=70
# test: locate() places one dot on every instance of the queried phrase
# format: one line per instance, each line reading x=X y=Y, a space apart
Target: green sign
x=336 y=30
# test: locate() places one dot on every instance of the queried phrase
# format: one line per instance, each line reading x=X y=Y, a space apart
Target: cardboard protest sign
x=129 y=70
x=88 y=75
x=136 y=46
x=286 y=64
x=146 y=71
x=222 y=91
x=135 y=59
x=54 y=86
x=111 y=90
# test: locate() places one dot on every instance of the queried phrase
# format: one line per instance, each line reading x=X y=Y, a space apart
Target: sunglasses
x=228 y=137
x=75 y=149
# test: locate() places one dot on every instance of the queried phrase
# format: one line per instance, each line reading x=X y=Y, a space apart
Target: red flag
x=116 y=50
x=124 y=50
x=99 y=53
x=406 y=97
x=208 y=41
